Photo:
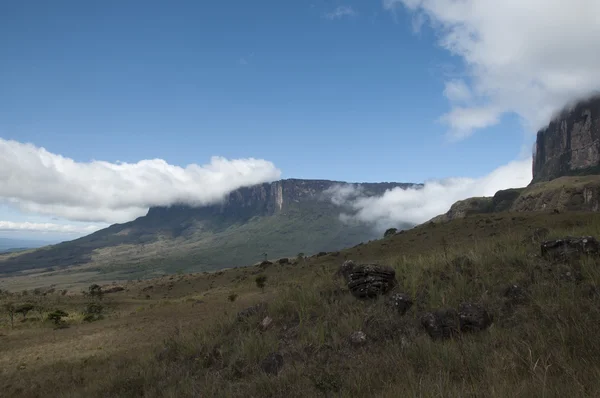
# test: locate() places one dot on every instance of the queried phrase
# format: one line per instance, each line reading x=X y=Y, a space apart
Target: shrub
x=232 y=297
x=23 y=309
x=390 y=232
x=95 y=290
x=57 y=317
x=10 y=310
x=261 y=281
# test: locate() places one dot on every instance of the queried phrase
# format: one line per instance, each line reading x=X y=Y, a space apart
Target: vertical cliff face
x=570 y=145
x=260 y=200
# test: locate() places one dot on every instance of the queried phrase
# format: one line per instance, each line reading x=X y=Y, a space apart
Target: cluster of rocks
x=370 y=281
x=448 y=322
x=367 y=281
x=569 y=247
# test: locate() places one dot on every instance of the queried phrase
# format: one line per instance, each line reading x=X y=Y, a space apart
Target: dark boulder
x=515 y=295
x=371 y=280
x=272 y=364
x=473 y=317
x=265 y=264
x=401 y=302
x=441 y=324
x=358 y=338
x=114 y=289
x=570 y=247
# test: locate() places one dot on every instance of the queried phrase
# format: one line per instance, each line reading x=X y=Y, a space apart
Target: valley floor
x=180 y=335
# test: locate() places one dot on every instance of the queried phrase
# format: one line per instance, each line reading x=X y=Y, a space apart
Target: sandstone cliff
x=281 y=218
x=570 y=145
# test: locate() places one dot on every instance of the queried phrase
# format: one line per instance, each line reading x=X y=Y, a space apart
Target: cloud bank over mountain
x=37 y=181
x=417 y=205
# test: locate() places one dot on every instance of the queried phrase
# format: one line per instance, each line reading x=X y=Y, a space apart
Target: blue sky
x=359 y=96
x=345 y=90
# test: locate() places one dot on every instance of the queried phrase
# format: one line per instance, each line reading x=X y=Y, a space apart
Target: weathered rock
x=371 y=280
x=346 y=269
x=401 y=302
x=570 y=144
x=441 y=324
x=358 y=338
x=473 y=317
x=266 y=323
x=272 y=364
x=253 y=310
x=114 y=289
x=570 y=247
x=265 y=264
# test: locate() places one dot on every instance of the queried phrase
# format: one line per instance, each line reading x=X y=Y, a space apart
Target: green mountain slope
x=283 y=218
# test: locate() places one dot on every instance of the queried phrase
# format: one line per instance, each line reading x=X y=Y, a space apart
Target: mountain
x=281 y=218
x=570 y=145
x=566 y=169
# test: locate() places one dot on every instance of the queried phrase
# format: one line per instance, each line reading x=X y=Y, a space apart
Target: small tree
x=93 y=312
x=57 y=317
x=10 y=310
x=23 y=309
x=261 y=281
x=390 y=232
x=95 y=290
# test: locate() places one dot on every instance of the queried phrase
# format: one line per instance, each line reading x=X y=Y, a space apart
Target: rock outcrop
x=371 y=280
x=570 y=247
x=570 y=144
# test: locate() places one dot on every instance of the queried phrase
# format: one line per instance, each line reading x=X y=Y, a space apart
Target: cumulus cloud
x=528 y=57
x=10 y=226
x=341 y=12
x=42 y=182
x=416 y=205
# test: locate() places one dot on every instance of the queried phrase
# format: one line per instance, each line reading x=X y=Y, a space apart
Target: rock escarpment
x=570 y=144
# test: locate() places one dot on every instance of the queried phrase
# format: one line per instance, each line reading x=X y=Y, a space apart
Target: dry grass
x=169 y=345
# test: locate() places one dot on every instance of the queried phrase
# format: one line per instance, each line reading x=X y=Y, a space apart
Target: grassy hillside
x=179 y=336
x=580 y=193
x=185 y=240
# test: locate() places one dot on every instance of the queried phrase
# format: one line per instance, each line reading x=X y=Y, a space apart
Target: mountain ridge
x=280 y=218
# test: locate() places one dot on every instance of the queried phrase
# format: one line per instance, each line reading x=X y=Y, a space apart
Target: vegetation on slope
x=542 y=342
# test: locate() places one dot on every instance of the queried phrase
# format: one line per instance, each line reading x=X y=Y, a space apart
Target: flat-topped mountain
x=570 y=144
x=282 y=218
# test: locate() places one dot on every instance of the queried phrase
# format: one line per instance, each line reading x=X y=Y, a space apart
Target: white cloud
x=341 y=12
x=530 y=57
x=48 y=227
x=417 y=205
x=38 y=181
x=457 y=91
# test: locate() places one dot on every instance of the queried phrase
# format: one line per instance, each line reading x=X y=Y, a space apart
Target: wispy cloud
x=341 y=12
x=528 y=57
x=416 y=205
x=38 y=181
